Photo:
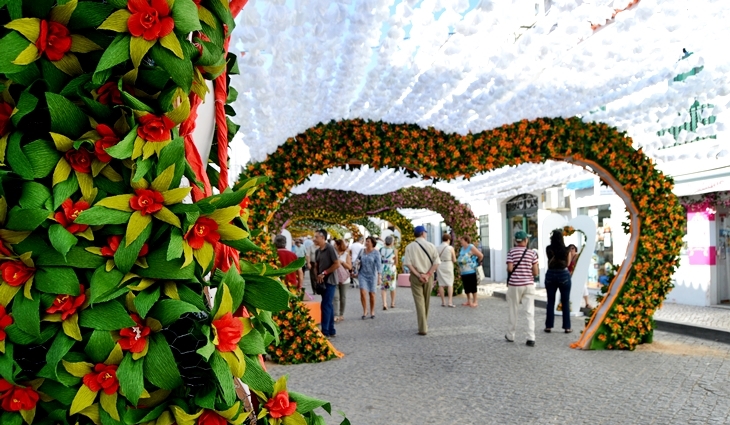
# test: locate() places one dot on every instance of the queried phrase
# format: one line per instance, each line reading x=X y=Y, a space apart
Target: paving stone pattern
x=464 y=372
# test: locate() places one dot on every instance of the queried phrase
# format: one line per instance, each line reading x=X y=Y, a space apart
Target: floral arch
x=624 y=318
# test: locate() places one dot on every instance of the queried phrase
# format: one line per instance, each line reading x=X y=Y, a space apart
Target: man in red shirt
x=285 y=258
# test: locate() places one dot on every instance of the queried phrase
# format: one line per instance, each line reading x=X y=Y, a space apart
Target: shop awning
x=580 y=184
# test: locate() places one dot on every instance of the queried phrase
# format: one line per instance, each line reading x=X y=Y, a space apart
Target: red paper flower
x=17 y=398
x=204 y=230
x=4 y=387
x=109 y=94
x=150 y=19
x=103 y=377
x=210 y=417
x=113 y=244
x=154 y=128
x=108 y=139
x=5 y=111
x=54 y=40
x=244 y=204
x=228 y=330
x=67 y=305
x=5 y=321
x=147 y=201
x=71 y=211
x=80 y=160
x=15 y=273
x=134 y=339
x=280 y=405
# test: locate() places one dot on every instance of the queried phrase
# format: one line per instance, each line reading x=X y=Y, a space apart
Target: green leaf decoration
x=307 y=404
x=26 y=104
x=77 y=257
x=124 y=149
x=34 y=195
x=189 y=296
x=235 y=284
x=253 y=343
x=98 y=111
x=66 y=118
x=89 y=15
x=26 y=219
x=56 y=280
x=161 y=268
x=64 y=190
x=160 y=367
x=243 y=245
x=27 y=314
x=256 y=377
x=60 y=392
x=104 y=282
x=180 y=70
x=126 y=256
x=266 y=293
x=61 y=239
x=99 y=346
x=108 y=316
x=224 y=377
x=12 y=45
x=116 y=53
x=97 y=216
x=74 y=86
x=131 y=378
x=11 y=418
x=42 y=156
x=168 y=311
x=54 y=78
x=175 y=247
x=185 y=13
x=62 y=344
x=146 y=299
x=17 y=159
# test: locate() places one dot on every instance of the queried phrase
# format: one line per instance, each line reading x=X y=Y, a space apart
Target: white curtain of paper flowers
x=469 y=65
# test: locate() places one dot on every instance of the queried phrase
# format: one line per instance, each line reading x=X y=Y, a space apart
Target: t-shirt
x=556 y=260
x=286 y=257
x=522 y=275
x=325 y=258
x=300 y=251
x=355 y=249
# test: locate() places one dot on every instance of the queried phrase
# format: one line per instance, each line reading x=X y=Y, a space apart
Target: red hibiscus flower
x=103 y=377
x=280 y=405
x=204 y=230
x=5 y=111
x=67 y=305
x=147 y=201
x=108 y=139
x=228 y=331
x=5 y=321
x=150 y=19
x=71 y=211
x=113 y=244
x=54 y=40
x=155 y=129
x=134 y=339
x=210 y=417
x=18 y=398
x=80 y=160
x=15 y=273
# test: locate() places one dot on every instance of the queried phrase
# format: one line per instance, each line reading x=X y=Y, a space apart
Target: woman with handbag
x=369 y=275
x=469 y=259
x=445 y=274
x=343 y=277
x=557 y=278
x=389 y=258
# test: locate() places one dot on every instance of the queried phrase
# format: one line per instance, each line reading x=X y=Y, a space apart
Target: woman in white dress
x=445 y=274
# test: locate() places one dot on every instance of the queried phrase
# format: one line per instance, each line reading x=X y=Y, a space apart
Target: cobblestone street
x=464 y=372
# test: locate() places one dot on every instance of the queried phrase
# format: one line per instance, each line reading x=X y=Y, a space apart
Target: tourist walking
x=311 y=255
x=355 y=250
x=445 y=274
x=326 y=262
x=469 y=259
x=389 y=258
x=422 y=260
x=521 y=271
x=343 y=278
x=557 y=278
x=369 y=276
x=286 y=257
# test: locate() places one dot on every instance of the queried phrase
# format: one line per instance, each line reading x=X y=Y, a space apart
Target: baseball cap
x=520 y=236
x=419 y=230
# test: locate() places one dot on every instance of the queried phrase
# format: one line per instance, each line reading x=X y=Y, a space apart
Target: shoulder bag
x=509 y=274
x=427 y=255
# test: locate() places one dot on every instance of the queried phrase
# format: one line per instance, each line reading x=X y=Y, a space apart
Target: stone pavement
x=464 y=372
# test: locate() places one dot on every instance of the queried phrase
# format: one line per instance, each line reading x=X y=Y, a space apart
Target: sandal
x=364 y=317
x=385 y=308
x=451 y=305
x=372 y=317
x=567 y=331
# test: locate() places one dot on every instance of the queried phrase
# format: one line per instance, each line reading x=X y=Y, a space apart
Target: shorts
x=470 y=283
x=367 y=283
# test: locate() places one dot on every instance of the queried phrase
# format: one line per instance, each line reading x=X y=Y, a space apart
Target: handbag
x=356 y=265
x=480 y=273
x=509 y=274
x=342 y=274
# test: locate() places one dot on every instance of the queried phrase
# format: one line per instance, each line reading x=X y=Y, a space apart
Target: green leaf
x=99 y=111
x=34 y=195
x=173 y=154
x=64 y=190
x=60 y=392
x=77 y=257
x=61 y=239
x=180 y=70
x=146 y=299
x=126 y=256
x=12 y=45
x=308 y=404
x=160 y=367
x=26 y=219
x=243 y=245
x=225 y=379
x=43 y=157
x=96 y=216
x=54 y=78
x=62 y=344
x=57 y=280
x=192 y=297
x=206 y=350
x=74 y=86
x=89 y=15
x=235 y=284
x=66 y=118
x=11 y=418
x=124 y=149
x=7 y=364
x=100 y=346
x=266 y=293
x=27 y=314
x=185 y=13
x=168 y=311
x=104 y=282
x=266 y=319
x=116 y=53
x=161 y=268
x=256 y=377
x=16 y=157
x=143 y=167
x=108 y=316
x=175 y=247
x=131 y=378
x=252 y=343
x=26 y=104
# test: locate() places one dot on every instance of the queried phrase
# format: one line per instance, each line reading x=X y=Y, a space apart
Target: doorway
x=522 y=215
x=723 y=255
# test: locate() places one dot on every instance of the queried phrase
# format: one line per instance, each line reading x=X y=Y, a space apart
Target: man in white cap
x=422 y=260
